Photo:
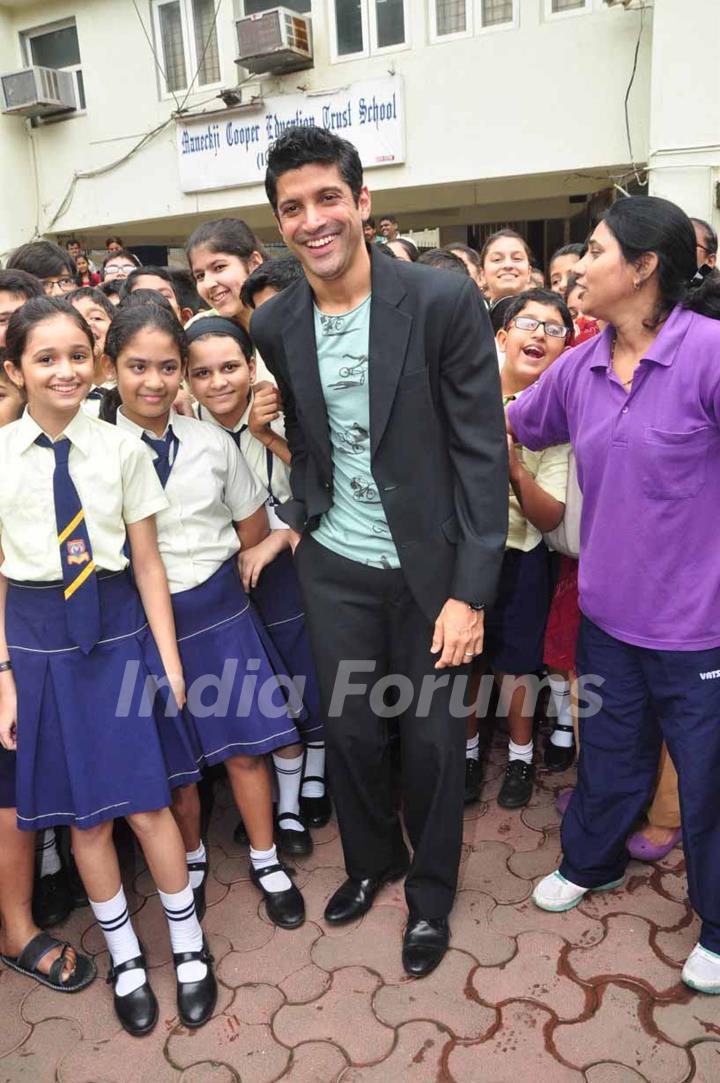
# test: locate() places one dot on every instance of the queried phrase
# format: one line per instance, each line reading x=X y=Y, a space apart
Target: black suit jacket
x=437 y=429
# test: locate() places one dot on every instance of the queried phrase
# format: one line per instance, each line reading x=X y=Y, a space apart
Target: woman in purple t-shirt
x=640 y=404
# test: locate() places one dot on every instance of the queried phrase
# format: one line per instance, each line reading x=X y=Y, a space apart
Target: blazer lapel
x=389 y=336
x=301 y=355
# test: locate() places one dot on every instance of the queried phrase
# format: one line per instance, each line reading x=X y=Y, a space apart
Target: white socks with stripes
x=472 y=748
x=289 y=777
x=314 y=768
x=114 y=920
x=276 y=881
x=47 y=852
x=185 y=931
x=192 y=857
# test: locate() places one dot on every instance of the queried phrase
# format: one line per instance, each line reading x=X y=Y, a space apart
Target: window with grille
x=186 y=37
x=451 y=17
x=497 y=12
x=556 y=6
x=56 y=46
x=255 y=7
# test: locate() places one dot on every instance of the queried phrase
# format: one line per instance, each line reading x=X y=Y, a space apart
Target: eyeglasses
x=125 y=267
x=63 y=284
x=528 y=323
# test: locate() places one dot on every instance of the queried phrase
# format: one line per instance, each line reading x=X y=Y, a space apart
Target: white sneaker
x=556 y=894
x=702 y=970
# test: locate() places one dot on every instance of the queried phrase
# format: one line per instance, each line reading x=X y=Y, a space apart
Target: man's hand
x=458 y=634
x=265 y=409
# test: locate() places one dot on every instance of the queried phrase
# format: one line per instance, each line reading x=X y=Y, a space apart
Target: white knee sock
x=560 y=692
x=276 y=881
x=47 y=852
x=520 y=752
x=185 y=931
x=472 y=748
x=289 y=777
x=114 y=920
x=196 y=878
x=314 y=768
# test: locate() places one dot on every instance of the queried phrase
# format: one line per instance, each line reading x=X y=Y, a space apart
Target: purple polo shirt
x=650 y=528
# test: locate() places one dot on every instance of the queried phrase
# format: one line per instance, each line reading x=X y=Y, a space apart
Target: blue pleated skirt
x=88 y=742
x=239 y=699
x=277 y=599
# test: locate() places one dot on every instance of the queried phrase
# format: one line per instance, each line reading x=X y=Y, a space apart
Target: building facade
x=468 y=113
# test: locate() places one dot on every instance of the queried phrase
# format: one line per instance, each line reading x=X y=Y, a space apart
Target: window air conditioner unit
x=274 y=41
x=37 y=92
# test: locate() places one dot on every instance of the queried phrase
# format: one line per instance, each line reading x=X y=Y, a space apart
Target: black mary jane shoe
x=315 y=811
x=196 y=1000
x=137 y=1011
x=199 y=891
x=559 y=759
x=284 y=908
x=355 y=897
x=424 y=945
x=294 y=843
x=51 y=899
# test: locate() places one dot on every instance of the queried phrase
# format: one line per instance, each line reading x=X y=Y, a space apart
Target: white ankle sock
x=47 y=851
x=314 y=768
x=520 y=752
x=196 y=878
x=560 y=692
x=289 y=776
x=114 y=920
x=276 y=881
x=185 y=931
x=472 y=748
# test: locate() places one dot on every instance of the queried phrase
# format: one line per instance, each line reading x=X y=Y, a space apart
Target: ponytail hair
x=643 y=224
x=229 y=235
x=111 y=403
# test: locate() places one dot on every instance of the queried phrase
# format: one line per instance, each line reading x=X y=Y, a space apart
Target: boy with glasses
x=48 y=262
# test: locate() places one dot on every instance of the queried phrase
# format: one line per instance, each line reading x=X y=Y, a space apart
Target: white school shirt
x=109 y=469
x=260 y=459
x=209 y=489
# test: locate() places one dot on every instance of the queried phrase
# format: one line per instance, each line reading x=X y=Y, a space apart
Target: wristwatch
x=476 y=607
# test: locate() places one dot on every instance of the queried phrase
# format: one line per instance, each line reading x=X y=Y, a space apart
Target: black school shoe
x=51 y=899
x=517 y=787
x=137 y=1011
x=559 y=759
x=315 y=811
x=199 y=891
x=284 y=908
x=196 y=1000
x=473 y=778
x=290 y=841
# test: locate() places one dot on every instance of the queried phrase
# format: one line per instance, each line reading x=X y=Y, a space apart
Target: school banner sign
x=230 y=150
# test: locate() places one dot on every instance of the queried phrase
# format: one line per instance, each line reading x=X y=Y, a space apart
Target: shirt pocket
x=674 y=464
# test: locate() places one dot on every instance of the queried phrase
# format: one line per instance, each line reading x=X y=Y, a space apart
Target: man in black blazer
x=399 y=520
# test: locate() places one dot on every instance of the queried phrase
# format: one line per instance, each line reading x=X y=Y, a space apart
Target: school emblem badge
x=77 y=551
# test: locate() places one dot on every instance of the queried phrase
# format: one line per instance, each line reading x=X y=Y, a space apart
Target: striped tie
x=82 y=603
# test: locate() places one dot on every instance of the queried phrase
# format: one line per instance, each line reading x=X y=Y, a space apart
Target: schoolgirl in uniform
x=216 y=506
x=74 y=648
x=221 y=371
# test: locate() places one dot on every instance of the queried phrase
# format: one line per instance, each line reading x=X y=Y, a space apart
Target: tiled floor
x=522 y=997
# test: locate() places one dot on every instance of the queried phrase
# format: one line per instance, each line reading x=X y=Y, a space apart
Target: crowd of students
x=144 y=458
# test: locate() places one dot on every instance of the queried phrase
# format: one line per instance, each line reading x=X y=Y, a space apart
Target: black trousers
x=364 y=626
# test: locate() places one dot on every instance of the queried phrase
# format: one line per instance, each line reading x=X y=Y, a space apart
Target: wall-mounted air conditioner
x=274 y=41
x=37 y=92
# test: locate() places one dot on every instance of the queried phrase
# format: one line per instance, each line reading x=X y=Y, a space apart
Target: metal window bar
x=173 y=47
x=497 y=12
x=566 y=5
x=450 y=17
x=206 y=42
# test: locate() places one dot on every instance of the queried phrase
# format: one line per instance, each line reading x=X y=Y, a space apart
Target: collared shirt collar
x=662 y=350
x=124 y=422
x=77 y=431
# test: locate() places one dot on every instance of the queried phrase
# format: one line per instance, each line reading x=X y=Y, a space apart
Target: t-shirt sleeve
x=244 y=492
x=552 y=471
x=539 y=417
x=143 y=494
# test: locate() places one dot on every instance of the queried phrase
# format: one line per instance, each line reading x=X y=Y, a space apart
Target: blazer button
x=389 y=488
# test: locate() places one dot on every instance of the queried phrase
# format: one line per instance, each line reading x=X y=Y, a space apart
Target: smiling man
x=393 y=415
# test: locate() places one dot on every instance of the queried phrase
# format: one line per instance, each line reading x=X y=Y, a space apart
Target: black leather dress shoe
x=137 y=1011
x=517 y=787
x=196 y=1000
x=51 y=899
x=316 y=811
x=355 y=897
x=199 y=891
x=284 y=908
x=473 y=778
x=424 y=944
x=290 y=841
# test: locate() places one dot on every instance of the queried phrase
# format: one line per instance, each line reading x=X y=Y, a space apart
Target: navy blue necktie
x=166 y=452
x=236 y=434
x=82 y=602
x=95 y=393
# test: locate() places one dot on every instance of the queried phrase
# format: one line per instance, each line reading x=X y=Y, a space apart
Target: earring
x=637 y=284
